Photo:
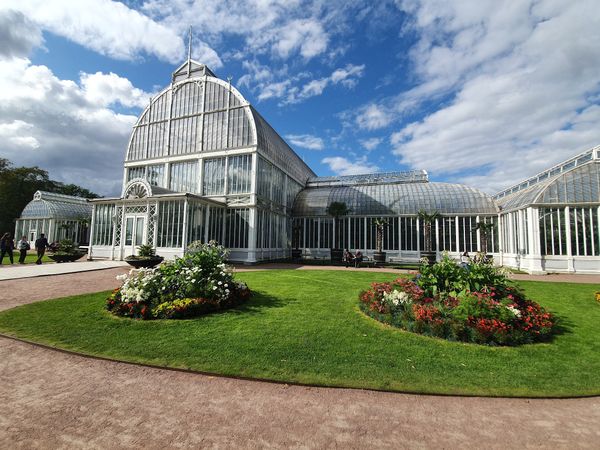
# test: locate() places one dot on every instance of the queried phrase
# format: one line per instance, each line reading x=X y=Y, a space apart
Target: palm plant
x=337 y=210
x=427 y=219
x=485 y=231
x=380 y=223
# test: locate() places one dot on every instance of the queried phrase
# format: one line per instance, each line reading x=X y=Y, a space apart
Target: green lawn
x=31 y=258
x=305 y=326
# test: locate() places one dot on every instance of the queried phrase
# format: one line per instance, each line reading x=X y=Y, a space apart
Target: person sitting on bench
x=348 y=257
x=358 y=258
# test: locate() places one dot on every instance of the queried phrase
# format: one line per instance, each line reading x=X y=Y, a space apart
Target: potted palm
x=485 y=231
x=146 y=257
x=337 y=210
x=296 y=229
x=65 y=251
x=380 y=224
x=427 y=219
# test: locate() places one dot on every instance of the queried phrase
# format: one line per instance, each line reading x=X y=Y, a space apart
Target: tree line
x=17 y=186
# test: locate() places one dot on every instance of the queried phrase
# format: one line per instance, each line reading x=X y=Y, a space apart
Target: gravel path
x=51 y=399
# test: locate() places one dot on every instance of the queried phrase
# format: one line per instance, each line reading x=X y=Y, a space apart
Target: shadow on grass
x=258 y=302
x=563 y=325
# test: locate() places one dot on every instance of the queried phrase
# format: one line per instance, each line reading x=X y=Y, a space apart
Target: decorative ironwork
x=137 y=188
x=242 y=200
x=136 y=209
x=152 y=213
x=118 y=215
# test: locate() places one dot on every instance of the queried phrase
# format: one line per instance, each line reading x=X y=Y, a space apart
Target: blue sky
x=480 y=92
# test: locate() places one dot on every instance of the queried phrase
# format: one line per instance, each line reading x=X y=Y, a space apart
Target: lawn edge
x=279 y=382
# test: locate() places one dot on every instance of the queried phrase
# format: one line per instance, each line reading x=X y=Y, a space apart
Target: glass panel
x=214 y=176
x=239 y=174
x=129 y=231
x=184 y=177
x=139 y=231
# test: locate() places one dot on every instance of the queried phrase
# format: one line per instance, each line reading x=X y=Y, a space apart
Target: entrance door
x=135 y=233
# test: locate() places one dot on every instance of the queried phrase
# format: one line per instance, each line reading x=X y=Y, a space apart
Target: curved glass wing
x=576 y=186
x=56 y=206
x=395 y=199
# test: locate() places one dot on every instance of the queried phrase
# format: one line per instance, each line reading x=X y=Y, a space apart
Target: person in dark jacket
x=41 y=244
x=23 y=246
x=348 y=257
x=7 y=245
x=358 y=258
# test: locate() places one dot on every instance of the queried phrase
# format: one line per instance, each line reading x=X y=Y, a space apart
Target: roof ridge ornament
x=189 y=58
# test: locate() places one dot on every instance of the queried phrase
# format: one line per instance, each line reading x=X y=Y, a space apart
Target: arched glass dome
x=200 y=114
x=395 y=199
x=56 y=206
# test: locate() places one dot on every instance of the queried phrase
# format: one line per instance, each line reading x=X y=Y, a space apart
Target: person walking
x=7 y=245
x=23 y=246
x=41 y=244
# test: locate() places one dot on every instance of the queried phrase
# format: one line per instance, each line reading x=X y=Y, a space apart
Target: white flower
x=220 y=283
x=397 y=298
x=514 y=310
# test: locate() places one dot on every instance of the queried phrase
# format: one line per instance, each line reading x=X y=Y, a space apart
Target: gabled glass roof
x=395 y=199
x=576 y=186
x=56 y=206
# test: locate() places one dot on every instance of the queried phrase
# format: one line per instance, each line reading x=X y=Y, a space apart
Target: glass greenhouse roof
x=395 y=199
x=56 y=206
x=543 y=177
x=412 y=176
x=579 y=185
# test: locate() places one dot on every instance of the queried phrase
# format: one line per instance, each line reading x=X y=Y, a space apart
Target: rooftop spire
x=189 y=58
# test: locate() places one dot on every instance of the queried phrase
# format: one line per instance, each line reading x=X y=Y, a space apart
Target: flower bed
x=470 y=303
x=198 y=283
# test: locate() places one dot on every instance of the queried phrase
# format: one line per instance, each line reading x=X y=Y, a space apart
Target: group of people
x=7 y=247
x=355 y=259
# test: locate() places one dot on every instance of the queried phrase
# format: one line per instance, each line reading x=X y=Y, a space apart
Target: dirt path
x=51 y=399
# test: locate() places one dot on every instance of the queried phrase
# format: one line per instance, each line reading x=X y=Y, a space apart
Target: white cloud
x=290 y=89
x=343 y=166
x=274 y=90
x=373 y=117
x=107 y=89
x=107 y=27
x=18 y=35
x=371 y=143
x=306 y=141
x=305 y=36
x=283 y=28
x=59 y=125
x=525 y=78
x=16 y=133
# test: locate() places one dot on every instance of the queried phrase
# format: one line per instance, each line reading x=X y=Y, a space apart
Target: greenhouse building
x=57 y=216
x=203 y=164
